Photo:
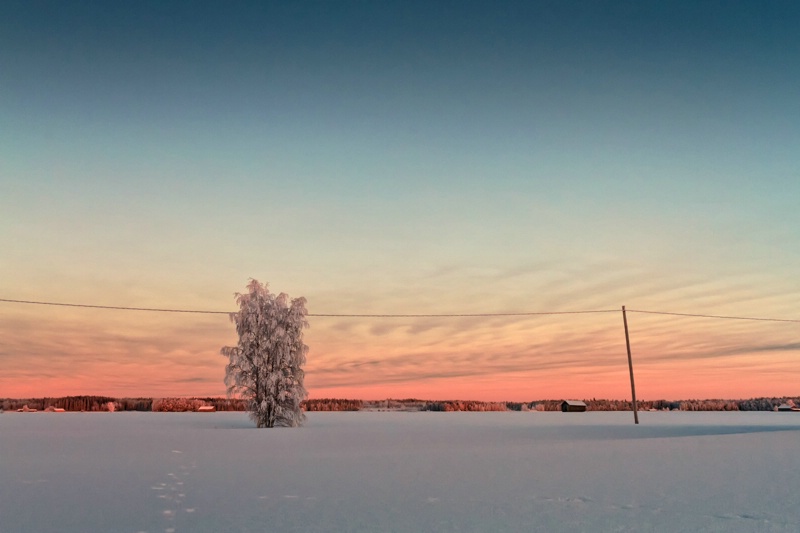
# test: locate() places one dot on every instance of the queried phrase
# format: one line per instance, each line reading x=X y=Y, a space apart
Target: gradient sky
x=403 y=157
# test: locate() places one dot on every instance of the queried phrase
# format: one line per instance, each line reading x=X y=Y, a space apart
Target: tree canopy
x=265 y=367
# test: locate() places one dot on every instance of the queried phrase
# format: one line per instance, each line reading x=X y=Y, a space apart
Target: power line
x=414 y=315
x=697 y=315
x=330 y=315
x=118 y=308
x=457 y=315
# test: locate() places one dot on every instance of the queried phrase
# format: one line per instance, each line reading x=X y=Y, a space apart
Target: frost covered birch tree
x=265 y=367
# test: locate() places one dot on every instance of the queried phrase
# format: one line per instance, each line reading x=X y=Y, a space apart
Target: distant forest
x=104 y=403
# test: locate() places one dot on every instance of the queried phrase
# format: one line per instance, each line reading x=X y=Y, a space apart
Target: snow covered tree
x=265 y=367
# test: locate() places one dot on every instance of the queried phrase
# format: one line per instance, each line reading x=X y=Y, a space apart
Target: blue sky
x=397 y=157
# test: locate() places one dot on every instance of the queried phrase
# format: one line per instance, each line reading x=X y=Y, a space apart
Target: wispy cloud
x=180 y=354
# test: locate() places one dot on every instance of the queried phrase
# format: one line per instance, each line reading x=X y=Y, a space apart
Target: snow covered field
x=400 y=472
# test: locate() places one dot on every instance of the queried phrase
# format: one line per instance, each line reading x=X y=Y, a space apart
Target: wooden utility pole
x=630 y=367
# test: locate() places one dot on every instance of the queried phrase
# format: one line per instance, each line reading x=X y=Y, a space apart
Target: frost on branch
x=265 y=367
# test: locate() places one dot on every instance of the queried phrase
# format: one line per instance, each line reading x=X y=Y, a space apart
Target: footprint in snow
x=174 y=493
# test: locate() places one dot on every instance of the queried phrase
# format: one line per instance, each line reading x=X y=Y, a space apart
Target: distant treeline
x=105 y=403
x=752 y=404
x=413 y=404
x=332 y=404
x=458 y=405
x=179 y=405
x=79 y=403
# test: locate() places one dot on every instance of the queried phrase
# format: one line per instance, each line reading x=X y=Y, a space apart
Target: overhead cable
x=331 y=315
x=406 y=315
x=725 y=317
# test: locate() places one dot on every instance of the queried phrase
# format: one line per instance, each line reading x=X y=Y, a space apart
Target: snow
x=400 y=472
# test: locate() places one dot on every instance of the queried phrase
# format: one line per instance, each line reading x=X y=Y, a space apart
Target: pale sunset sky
x=403 y=157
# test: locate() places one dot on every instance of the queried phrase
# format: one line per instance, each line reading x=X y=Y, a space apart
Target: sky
x=403 y=157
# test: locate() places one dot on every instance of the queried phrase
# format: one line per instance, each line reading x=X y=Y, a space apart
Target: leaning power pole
x=630 y=367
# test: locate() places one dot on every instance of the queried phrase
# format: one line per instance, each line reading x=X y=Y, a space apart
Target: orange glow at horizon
x=75 y=352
